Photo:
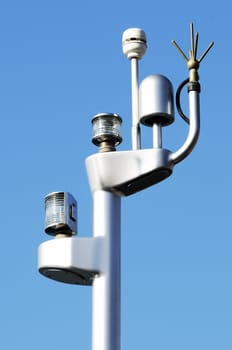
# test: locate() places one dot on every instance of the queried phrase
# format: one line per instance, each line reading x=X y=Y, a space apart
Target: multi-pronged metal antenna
x=192 y=62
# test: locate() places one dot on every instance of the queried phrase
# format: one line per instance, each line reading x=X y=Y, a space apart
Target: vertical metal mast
x=134 y=44
x=135 y=132
x=106 y=287
x=106 y=290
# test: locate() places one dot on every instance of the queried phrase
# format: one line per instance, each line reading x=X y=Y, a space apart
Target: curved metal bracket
x=127 y=172
x=194 y=129
x=194 y=101
x=72 y=260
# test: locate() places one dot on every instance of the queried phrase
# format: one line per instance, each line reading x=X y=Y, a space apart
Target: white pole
x=106 y=286
x=135 y=104
x=157 y=136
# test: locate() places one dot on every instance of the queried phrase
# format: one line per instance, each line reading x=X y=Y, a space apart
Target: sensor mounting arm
x=193 y=65
x=194 y=128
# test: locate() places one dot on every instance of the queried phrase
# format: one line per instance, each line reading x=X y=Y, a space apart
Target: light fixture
x=60 y=214
x=106 y=131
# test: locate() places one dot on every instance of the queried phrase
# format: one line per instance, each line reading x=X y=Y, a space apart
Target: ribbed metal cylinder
x=107 y=128
x=60 y=213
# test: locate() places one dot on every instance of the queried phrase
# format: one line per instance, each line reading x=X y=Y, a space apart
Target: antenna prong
x=180 y=51
x=192 y=62
x=192 y=38
x=196 y=45
x=206 y=51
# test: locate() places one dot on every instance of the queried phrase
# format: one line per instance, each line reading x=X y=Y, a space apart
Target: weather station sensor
x=96 y=260
x=134 y=43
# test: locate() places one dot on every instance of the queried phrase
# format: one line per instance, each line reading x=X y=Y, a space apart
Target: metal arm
x=194 y=129
x=193 y=65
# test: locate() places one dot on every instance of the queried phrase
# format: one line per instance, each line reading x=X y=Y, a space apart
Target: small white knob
x=134 y=43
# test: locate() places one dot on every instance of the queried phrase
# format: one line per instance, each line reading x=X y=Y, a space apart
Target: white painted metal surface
x=106 y=286
x=194 y=129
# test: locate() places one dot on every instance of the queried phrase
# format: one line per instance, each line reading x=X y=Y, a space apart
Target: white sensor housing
x=134 y=43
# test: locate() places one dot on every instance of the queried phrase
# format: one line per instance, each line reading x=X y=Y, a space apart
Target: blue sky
x=60 y=64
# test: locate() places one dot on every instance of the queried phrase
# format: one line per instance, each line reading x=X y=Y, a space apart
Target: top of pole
x=134 y=43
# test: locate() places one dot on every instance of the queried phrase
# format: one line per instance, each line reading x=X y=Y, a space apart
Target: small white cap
x=134 y=43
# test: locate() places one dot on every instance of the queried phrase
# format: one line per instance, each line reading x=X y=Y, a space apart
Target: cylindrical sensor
x=60 y=214
x=107 y=130
x=156 y=101
x=134 y=43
